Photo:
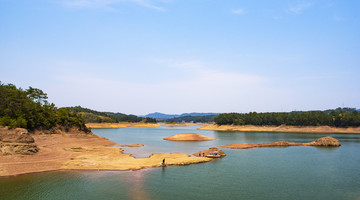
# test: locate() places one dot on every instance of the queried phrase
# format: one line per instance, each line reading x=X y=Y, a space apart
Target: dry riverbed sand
x=83 y=152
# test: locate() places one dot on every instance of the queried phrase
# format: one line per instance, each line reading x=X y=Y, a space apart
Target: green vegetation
x=195 y=119
x=340 y=117
x=92 y=116
x=29 y=109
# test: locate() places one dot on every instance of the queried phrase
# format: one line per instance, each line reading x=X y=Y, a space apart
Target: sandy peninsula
x=188 y=137
x=284 y=129
x=83 y=152
x=324 y=142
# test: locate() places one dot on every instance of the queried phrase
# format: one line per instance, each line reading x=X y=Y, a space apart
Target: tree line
x=92 y=116
x=30 y=109
x=347 y=117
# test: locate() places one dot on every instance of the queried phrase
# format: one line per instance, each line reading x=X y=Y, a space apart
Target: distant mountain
x=194 y=114
x=158 y=115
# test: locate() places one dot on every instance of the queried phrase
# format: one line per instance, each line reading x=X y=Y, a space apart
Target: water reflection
x=136 y=185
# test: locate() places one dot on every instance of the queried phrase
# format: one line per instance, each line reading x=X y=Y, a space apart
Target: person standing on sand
x=163 y=163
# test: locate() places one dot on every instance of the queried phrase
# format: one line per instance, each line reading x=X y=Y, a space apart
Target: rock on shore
x=211 y=150
x=16 y=141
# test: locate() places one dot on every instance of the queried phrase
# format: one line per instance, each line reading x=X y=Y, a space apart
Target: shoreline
x=282 y=129
x=81 y=152
x=137 y=124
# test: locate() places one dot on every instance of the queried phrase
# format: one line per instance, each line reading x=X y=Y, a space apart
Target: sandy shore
x=120 y=125
x=286 y=129
x=66 y=152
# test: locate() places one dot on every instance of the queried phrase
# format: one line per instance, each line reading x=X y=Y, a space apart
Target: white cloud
x=299 y=8
x=109 y=4
x=239 y=11
x=206 y=90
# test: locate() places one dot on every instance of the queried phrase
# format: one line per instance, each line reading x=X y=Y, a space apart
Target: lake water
x=262 y=173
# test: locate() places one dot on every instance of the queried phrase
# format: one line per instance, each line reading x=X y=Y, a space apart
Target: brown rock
x=18 y=148
x=188 y=137
x=325 y=141
x=16 y=141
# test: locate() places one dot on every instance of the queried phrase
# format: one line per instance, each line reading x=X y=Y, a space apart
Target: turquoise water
x=263 y=173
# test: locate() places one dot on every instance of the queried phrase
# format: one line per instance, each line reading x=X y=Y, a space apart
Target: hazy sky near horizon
x=176 y=56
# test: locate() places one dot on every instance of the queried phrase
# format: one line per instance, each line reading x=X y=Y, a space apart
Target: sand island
x=188 y=137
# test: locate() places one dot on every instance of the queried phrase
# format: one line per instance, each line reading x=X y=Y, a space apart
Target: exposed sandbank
x=86 y=152
x=188 y=137
x=289 y=129
x=324 y=141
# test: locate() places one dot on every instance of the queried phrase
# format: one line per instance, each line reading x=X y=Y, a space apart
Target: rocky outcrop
x=16 y=141
x=18 y=148
x=209 y=152
x=188 y=137
x=324 y=141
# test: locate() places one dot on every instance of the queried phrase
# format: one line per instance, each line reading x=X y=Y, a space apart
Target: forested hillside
x=340 y=117
x=30 y=109
x=92 y=116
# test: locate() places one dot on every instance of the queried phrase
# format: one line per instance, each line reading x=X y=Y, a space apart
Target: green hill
x=30 y=109
x=92 y=116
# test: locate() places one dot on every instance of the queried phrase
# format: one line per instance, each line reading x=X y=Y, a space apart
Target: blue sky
x=176 y=56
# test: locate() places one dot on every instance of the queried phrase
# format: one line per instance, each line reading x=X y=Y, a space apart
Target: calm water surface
x=263 y=173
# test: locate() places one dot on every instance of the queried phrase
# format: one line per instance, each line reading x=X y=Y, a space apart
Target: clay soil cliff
x=282 y=128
